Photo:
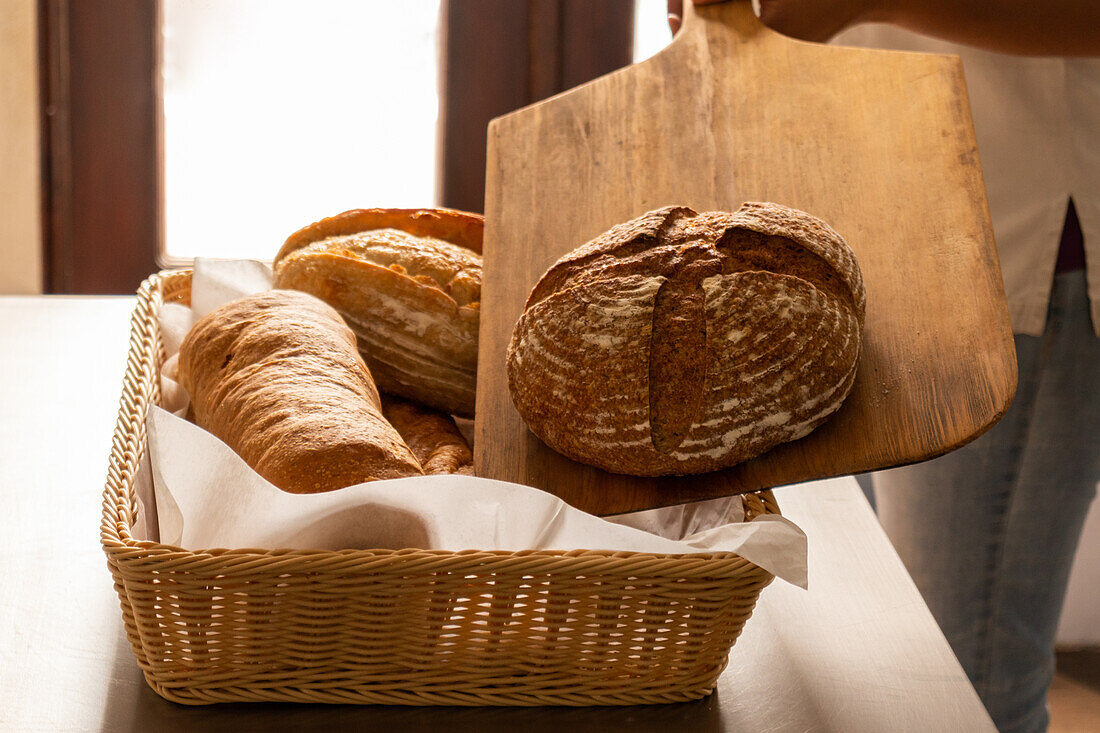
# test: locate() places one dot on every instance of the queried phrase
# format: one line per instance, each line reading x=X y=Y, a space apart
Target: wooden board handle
x=735 y=17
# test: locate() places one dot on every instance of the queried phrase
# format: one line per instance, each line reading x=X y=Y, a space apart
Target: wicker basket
x=413 y=627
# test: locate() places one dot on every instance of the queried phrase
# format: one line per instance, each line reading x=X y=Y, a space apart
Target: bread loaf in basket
x=408 y=282
x=413 y=626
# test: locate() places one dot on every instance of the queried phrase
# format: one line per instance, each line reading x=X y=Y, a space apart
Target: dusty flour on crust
x=680 y=343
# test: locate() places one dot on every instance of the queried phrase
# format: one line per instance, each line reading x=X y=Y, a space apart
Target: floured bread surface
x=278 y=378
x=412 y=299
x=680 y=343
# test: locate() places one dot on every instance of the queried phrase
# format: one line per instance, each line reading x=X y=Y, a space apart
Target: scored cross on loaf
x=680 y=343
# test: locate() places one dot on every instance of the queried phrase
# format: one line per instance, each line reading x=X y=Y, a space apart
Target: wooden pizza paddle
x=879 y=144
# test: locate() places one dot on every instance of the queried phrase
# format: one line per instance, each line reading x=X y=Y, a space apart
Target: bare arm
x=1025 y=27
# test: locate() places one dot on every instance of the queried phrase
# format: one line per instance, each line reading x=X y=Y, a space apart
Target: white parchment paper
x=195 y=492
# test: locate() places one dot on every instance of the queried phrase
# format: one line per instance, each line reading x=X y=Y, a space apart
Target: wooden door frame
x=500 y=55
x=100 y=179
x=101 y=131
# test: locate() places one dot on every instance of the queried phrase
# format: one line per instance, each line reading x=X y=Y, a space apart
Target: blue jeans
x=988 y=532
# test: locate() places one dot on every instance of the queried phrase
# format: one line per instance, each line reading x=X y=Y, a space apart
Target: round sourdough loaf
x=680 y=343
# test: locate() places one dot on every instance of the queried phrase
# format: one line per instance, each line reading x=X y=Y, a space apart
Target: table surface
x=858 y=651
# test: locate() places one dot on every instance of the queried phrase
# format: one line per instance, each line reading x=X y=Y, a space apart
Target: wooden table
x=859 y=651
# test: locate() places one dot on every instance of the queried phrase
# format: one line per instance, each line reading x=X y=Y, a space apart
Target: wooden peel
x=880 y=144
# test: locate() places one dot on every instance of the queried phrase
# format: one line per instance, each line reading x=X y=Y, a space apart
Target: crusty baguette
x=680 y=343
x=277 y=377
x=408 y=283
x=432 y=436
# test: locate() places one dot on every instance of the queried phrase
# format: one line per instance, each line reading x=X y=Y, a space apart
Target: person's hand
x=809 y=20
x=1027 y=27
x=814 y=20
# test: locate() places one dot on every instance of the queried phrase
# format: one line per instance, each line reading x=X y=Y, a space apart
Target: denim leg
x=1057 y=482
x=988 y=532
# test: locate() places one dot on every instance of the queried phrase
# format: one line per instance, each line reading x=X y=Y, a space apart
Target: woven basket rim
x=129 y=443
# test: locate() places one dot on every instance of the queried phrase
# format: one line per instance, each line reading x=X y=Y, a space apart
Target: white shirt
x=1037 y=122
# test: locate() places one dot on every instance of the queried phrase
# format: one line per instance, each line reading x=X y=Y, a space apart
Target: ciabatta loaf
x=408 y=282
x=680 y=343
x=277 y=377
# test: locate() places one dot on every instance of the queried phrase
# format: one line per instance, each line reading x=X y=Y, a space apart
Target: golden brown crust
x=457 y=227
x=432 y=436
x=412 y=299
x=277 y=377
x=680 y=343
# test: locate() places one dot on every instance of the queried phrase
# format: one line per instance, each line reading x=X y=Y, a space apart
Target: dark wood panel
x=485 y=62
x=597 y=38
x=100 y=186
x=500 y=55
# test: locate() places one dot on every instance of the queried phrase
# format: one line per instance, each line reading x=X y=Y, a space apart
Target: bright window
x=281 y=112
x=651 y=32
